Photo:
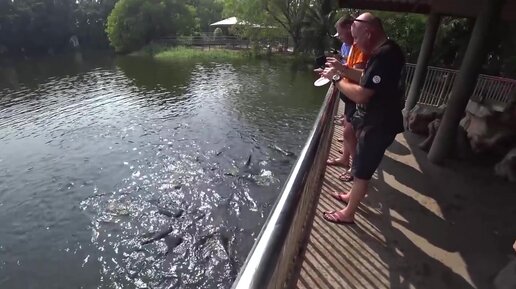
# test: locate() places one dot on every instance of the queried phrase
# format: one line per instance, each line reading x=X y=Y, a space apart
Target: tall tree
x=290 y=14
x=207 y=12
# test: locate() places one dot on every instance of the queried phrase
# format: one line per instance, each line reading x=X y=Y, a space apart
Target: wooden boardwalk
x=413 y=230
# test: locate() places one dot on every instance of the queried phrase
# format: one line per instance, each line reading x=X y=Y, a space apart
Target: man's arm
x=355 y=92
x=353 y=74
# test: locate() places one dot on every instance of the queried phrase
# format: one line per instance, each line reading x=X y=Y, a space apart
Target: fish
x=170 y=214
x=172 y=242
x=158 y=235
x=285 y=152
x=248 y=162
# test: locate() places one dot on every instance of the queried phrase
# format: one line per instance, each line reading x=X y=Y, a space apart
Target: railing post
x=432 y=25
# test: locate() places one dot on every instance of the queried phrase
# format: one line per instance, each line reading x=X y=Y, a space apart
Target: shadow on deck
x=420 y=226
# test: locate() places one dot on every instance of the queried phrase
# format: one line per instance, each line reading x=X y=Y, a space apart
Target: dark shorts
x=371 y=146
x=349 y=107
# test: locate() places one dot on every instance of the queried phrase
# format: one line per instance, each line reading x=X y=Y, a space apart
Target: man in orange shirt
x=356 y=59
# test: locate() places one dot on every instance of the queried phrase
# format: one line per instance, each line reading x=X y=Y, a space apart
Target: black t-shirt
x=383 y=74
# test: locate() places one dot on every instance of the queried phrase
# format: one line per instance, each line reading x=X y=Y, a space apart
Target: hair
x=344 y=21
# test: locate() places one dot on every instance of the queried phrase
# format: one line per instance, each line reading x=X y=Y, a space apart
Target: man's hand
x=335 y=63
x=329 y=72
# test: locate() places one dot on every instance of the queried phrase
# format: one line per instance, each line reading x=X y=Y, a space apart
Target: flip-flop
x=346 y=177
x=338 y=197
x=334 y=220
x=334 y=162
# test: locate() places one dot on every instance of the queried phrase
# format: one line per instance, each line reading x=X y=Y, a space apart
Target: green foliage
x=90 y=18
x=130 y=23
x=133 y=23
x=452 y=41
x=207 y=12
x=320 y=22
x=286 y=15
x=35 y=26
x=184 y=53
x=407 y=29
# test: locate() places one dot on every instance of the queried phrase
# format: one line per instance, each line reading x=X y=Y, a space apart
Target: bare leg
x=345 y=148
x=350 y=140
x=347 y=215
x=349 y=144
x=343 y=160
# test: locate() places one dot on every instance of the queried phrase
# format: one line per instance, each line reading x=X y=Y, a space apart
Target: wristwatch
x=336 y=77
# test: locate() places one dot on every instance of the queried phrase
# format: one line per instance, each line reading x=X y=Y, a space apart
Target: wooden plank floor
x=413 y=230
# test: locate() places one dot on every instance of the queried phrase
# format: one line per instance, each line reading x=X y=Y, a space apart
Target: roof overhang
x=458 y=8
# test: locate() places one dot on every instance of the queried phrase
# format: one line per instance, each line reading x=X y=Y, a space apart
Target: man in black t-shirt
x=379 y=98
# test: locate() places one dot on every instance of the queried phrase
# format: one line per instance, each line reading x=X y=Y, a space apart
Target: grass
x=167 y=53
x=185 y=53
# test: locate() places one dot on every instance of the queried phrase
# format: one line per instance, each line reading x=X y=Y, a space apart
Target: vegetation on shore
x=179 y=53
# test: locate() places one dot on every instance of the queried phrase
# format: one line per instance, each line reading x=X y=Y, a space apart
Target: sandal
x=334 y=217
x=338 y=197
x=346 y=177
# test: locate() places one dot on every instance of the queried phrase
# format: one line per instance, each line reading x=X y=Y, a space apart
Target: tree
x=290 y=14
x=407 y=29
x=207 y=12
x=319 y=23
x=134 y=23
x=90 y=22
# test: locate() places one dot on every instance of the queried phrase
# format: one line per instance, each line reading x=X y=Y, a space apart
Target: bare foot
x=337 y=162
x=338 y=217
x=344 y=197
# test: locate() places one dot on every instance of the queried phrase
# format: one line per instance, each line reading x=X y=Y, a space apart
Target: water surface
x=98 y=154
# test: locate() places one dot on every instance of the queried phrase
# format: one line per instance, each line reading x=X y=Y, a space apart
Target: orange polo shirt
x=355 y=56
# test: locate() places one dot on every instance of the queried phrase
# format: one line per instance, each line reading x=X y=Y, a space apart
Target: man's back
x=383 y=75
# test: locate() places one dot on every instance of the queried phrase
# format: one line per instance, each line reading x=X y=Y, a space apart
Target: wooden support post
x=464 y=85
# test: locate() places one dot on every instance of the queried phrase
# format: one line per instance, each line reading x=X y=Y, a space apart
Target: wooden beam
x=410 y=6
x=456 y=8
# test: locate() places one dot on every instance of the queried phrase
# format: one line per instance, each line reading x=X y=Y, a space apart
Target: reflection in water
x=143 y=174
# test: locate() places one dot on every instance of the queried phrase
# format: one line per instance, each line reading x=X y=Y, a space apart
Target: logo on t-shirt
x=377 y=79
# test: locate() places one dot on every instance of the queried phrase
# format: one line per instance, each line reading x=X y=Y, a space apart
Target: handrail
x=263 y=268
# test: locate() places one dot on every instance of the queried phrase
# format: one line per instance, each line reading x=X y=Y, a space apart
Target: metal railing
x=437 y=86
x=274 y=259
x=439 y=83
x=410 y=68
x=494 y=89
